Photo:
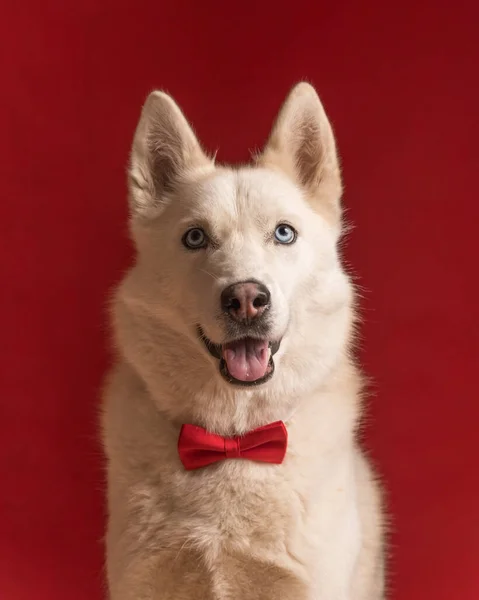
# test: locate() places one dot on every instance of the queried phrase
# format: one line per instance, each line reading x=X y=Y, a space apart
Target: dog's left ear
x=302 y=145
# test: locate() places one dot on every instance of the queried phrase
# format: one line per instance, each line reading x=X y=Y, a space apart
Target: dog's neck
x=240 y=411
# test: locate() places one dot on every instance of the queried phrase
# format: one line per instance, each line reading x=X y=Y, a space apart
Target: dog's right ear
x=165 y=151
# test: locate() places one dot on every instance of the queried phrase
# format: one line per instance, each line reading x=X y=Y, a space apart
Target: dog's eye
x=195 y=238
x=285 y=234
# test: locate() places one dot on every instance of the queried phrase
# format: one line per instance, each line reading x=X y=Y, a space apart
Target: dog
x=230 y=416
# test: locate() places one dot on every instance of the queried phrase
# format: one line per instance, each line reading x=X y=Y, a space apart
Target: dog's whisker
x=212 y=275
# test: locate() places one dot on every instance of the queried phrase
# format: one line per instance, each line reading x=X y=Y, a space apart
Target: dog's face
x=242 y=264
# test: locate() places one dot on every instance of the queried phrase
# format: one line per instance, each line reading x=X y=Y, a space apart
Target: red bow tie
x=198 y=448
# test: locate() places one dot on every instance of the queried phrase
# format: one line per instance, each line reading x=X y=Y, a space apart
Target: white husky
x=237 y=314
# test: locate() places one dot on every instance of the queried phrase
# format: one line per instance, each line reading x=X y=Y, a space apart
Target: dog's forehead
x=247 y=193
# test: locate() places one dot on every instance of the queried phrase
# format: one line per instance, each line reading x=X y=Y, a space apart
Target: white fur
x=315 y=519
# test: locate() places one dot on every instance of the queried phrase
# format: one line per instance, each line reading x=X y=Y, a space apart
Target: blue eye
x=285 y=234
x=195 y=238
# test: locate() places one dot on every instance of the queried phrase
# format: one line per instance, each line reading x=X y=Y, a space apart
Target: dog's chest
x=243 y=507
x=275 y=514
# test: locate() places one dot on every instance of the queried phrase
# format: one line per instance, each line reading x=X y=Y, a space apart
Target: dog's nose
x=245 y=301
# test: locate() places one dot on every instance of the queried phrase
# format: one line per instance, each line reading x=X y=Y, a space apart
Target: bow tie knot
x=232 y=447
x=199 y=448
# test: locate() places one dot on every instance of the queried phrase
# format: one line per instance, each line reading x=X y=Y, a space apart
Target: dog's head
x=240 y=266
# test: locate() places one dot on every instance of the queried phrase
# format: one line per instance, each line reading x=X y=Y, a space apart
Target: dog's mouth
x=245 y=361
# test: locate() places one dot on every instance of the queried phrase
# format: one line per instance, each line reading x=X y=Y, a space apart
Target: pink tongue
x=247 y=360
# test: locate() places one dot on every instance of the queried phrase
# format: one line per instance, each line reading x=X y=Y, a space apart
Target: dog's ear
x=165 y=151
x=302 y=144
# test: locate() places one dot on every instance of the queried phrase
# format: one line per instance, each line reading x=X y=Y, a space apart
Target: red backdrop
x=400 y=84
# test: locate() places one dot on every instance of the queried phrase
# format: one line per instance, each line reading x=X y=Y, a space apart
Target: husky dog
x=230 y=417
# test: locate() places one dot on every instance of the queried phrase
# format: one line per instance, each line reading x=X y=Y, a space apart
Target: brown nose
x=245 y=301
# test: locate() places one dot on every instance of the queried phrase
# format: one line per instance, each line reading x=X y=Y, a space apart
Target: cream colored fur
x=311 y=528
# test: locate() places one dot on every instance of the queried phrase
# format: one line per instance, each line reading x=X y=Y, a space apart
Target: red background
x=400 y=84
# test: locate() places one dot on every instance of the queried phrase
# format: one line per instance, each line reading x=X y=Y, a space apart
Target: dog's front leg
x=171 y=575
x=244 y=577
